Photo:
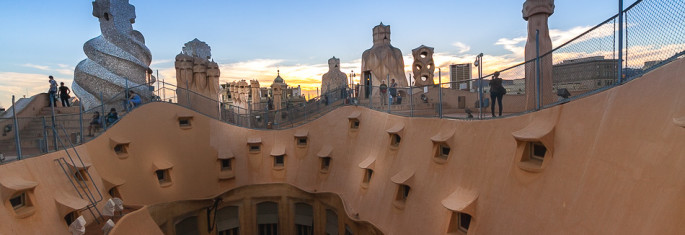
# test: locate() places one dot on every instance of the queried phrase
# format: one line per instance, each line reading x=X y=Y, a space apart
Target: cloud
x=156 y=62
x=41 y=67
x=63 y=69
x=515 y=45
x=559 y=36
x=24 y=84
x=462 y=47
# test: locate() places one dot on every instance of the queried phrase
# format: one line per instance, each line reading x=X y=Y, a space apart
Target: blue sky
x=252 y=39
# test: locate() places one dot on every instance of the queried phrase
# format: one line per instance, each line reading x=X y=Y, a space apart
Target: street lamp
x=479 y=63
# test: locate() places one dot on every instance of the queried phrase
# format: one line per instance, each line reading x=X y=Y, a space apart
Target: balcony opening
x=228 y=221
x=354 y=123
x=325 y=164
x=402 y=193
x=464 y=222
x=121 y=149
x=459 y=223
x=163 y=177
x=71 y=217
x=304 y=219
x=331 y=222
x=442 y=152
x=279 y=161
x=267 y=218
x=537 y=151
x=534 y=154
x=81 y=175
x=301 y=141
x=226 y=164
x=184 y=122
x=367 y=176
x=19 y=201
x=114 y=192
x=255 y=148
x=395 y=140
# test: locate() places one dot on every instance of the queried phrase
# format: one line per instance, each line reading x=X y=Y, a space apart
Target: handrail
x=81 y=183
x=258 y=116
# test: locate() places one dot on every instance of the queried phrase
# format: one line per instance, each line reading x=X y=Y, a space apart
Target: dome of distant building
x=278 y=78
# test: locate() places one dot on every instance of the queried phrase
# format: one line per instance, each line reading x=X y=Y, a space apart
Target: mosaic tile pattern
x=117 y=59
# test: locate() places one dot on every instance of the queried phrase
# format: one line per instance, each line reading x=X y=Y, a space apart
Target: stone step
x=60 y=110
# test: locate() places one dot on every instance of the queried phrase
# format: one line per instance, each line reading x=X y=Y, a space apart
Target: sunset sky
x=253 y=39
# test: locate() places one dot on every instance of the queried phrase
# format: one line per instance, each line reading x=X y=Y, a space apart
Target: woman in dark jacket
x=496 y=92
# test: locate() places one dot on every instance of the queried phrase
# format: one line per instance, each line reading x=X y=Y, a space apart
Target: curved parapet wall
x=116 y=59
x=609 y=163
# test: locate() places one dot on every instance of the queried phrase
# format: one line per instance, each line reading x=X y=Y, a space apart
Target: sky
x=254 y=39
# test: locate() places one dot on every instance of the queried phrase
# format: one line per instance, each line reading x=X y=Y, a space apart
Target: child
x=94 y=123
x=112 y=117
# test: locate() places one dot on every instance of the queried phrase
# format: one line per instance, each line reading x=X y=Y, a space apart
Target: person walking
x=64 y=95
x=497 y=91
x=52 y=92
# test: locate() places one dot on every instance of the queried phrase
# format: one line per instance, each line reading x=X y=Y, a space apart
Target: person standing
x=52 y=92
x=64 y=95
x=384 y=93
x=393 y=91
x=497 y=91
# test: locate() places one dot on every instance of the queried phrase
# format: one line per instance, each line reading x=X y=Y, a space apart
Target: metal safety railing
x=607 y=55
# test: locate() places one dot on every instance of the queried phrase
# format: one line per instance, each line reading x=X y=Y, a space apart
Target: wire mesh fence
x=653 y=36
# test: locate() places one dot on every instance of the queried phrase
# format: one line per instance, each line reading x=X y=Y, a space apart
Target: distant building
x=649 y=64
x=226 y=93
x=513 y=86
x=294 y=91
x=585 y=73
x=458 y=73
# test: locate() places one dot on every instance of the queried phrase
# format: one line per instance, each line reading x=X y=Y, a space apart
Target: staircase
x=37 y=136
x=77 y=172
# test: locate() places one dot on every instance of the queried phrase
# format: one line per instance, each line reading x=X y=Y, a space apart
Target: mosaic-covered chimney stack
x=117 y=60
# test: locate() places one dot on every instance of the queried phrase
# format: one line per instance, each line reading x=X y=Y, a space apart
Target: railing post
x=440 y=92
x=80 y=122
x=17 y=141
x=620 y=41
x=157 y=83
x=163 y=91
x=411 y=99
x=54 y=129
x=387 y=92
x=479 y=64
x=537 y=69
x=102 y=110
x=125 y=96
